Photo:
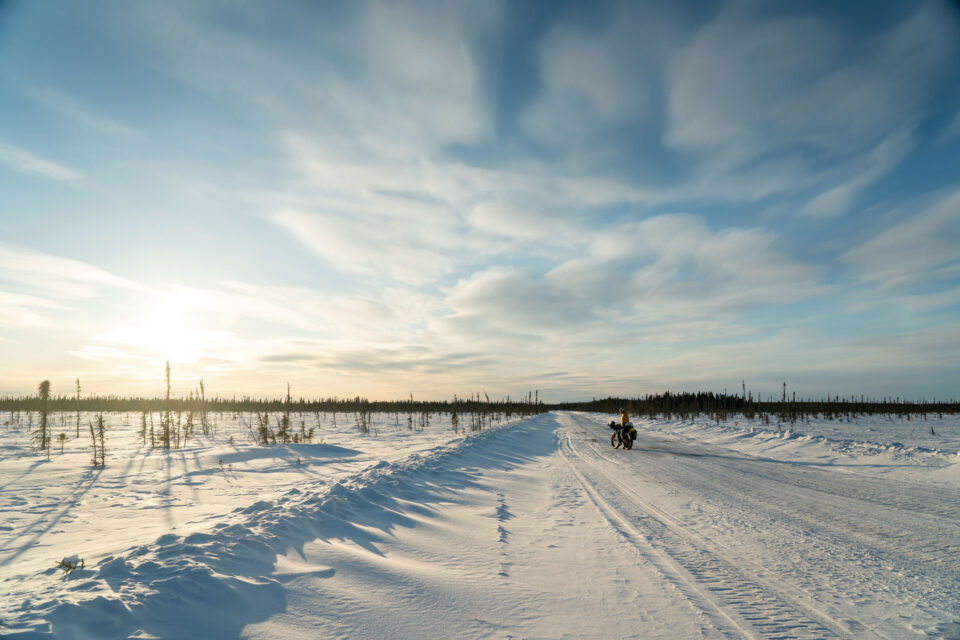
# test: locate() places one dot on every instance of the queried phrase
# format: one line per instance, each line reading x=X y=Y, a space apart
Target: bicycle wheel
x=614 y=441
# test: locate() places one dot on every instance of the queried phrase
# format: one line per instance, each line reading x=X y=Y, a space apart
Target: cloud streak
x=882 y=159
x=55 y=276
x=23 y=161
x=739 y=92
x=674 y=265
x=921 y=248
x=72 y=109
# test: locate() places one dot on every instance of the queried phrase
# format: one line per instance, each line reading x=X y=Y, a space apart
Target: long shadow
x=23 y=475
x=313 y=451
x=231 y=568
x=130 y=462
x=187 y=476
x=66 y=505
x=166 y=491
x=286 y=455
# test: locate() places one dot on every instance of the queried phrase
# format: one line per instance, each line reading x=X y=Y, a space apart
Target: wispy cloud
x=20 y=310
x=739 y=91
x=594 y=80
x=511 y=300
x=426 y=217
x=952 y=130
x=398 y=78
x=749 y=101
x=503 y=218
x=23 y=161
x=372 y=246
x=347 y=318
x=674 y=265
x=100 y=352
x=55 y=276
x=634 y=292
x=74 y=110
x=921 y=248
x=35 y=286
x=883 y=158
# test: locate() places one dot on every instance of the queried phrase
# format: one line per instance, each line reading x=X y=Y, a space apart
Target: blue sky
x=439 y=198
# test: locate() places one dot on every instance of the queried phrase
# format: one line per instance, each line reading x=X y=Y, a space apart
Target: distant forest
x=787 y=408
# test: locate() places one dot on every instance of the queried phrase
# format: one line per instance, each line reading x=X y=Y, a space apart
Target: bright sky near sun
x=385 y=198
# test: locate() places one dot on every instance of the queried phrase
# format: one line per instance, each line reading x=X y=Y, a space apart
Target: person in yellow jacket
x=626 y=427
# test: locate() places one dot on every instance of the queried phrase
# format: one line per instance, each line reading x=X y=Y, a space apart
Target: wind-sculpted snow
x=211 y=585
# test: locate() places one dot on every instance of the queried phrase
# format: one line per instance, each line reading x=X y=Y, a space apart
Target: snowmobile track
x=731 y=594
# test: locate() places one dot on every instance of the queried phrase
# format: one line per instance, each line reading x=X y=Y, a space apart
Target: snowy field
x=909 y=437
x=826 y=529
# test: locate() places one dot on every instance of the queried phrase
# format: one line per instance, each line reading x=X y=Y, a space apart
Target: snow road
x=541 y=529
x=546 y=531
x=772 y=548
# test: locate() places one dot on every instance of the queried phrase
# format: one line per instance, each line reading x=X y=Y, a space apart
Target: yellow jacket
x=624 y=418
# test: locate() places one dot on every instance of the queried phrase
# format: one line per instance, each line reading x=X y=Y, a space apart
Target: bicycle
x=622 y=436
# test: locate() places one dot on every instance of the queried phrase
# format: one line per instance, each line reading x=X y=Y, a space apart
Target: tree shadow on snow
x=36 y=529
x=212 y=585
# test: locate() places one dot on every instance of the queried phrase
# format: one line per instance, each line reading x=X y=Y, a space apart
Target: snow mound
x=213 y=584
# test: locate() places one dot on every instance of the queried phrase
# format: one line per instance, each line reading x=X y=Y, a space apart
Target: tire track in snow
x=754 y=606
x=896 y=564
x=675 y=574
x=854 y=502
x=918 y=540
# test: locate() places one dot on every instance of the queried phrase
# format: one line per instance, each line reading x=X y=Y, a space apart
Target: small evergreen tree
x=204 y=424
x=165 y=421
x=41 y=437
x=78 y=407
x=101 y=438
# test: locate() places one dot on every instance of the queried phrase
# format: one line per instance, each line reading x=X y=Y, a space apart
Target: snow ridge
x=180 y=586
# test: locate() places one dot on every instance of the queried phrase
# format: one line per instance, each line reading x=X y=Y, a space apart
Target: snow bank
x=816 y=438
x=212 y=584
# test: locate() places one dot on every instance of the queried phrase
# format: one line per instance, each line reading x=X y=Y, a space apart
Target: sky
x=391 y=198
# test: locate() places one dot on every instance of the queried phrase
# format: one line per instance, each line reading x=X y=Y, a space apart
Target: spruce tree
x=42 y=437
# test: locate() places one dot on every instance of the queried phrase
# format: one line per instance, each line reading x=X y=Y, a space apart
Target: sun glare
x=167 y=332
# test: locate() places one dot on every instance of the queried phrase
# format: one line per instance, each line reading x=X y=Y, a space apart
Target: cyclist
x=625 y=424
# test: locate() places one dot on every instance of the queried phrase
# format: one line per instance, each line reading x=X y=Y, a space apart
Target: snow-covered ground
x=909 y=437
x=535 y=529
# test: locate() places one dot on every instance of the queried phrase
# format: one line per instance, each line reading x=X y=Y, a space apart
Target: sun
x=167 y=330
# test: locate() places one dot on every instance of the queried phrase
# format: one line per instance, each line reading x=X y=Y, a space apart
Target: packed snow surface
x=535 y=528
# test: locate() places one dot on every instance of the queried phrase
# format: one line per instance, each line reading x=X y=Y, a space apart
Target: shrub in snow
x=70 y=563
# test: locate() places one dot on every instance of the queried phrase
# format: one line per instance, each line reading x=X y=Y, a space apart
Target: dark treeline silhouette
x=667 y=403
x=786 y=409
x=199 y=403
